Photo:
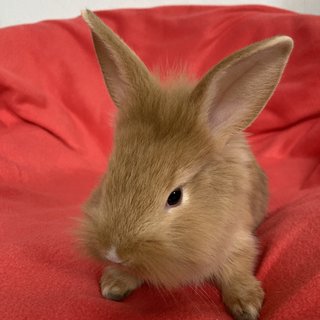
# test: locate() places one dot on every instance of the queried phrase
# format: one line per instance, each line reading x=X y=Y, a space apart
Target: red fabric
x=55 y=137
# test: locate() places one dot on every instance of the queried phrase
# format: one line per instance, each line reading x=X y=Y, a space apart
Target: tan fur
x=184 y=135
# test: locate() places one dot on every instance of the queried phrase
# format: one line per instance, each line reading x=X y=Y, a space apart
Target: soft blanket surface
x=55 y=138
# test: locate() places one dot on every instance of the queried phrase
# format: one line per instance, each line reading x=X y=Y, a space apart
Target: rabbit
x=183 y=193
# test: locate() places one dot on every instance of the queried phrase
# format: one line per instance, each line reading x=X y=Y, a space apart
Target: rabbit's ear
x=233 y=93
x=124 y=73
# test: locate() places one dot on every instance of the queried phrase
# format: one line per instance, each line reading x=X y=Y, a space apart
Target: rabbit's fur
x=186 y=135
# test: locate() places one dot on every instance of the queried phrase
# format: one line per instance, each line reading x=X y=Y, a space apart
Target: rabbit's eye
x=174 y=198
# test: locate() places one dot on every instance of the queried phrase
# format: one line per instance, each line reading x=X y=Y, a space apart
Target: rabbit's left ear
x=233 y=93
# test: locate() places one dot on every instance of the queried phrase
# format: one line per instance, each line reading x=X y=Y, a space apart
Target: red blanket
x=55 y=137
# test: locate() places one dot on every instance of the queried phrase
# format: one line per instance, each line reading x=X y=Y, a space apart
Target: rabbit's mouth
x=112 y=256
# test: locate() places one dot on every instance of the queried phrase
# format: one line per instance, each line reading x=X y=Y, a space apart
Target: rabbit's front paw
x=116 y=284
x=244 y=299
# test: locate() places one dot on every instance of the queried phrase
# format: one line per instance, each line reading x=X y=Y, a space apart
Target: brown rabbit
x=183 y=193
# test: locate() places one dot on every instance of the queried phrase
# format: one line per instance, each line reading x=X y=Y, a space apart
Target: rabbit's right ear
x=124 y=73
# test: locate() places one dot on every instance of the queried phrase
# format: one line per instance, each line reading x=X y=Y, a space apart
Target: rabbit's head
x=165 y=208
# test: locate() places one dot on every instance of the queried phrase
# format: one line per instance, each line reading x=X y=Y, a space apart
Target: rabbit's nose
x=112 y=255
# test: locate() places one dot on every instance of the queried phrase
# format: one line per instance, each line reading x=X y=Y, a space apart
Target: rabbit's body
x=183 y=193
